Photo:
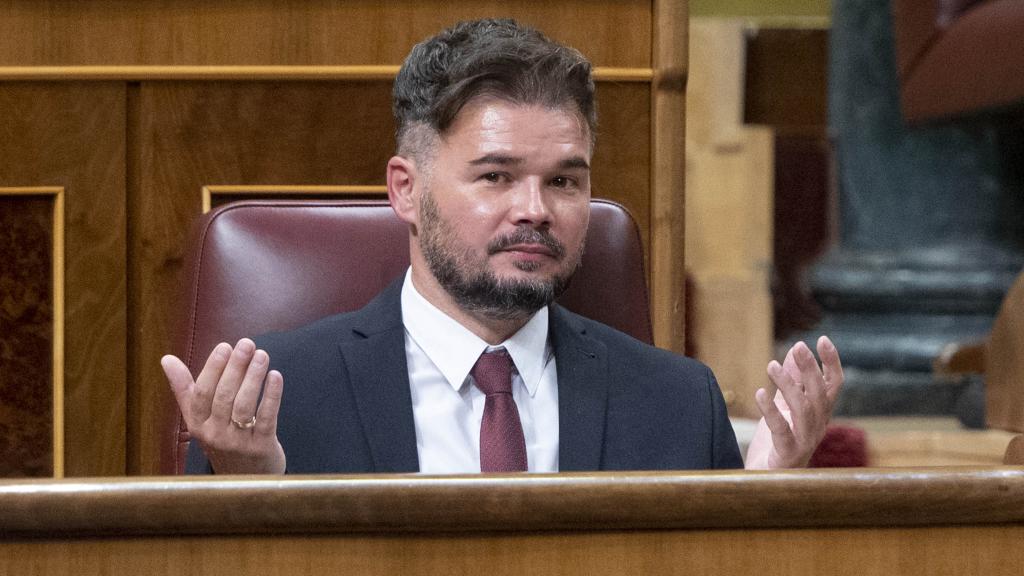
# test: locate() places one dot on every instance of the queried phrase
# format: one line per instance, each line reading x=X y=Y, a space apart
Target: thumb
x=179 y=378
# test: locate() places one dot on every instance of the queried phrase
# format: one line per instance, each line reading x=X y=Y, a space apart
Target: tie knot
x=493 y=373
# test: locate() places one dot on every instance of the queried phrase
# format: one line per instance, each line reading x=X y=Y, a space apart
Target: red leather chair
x=259 y=266
x=958 y=56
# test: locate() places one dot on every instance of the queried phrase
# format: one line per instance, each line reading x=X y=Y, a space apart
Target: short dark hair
x=494 y=57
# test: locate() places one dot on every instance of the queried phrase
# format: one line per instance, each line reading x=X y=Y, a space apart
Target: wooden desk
x=868 y=521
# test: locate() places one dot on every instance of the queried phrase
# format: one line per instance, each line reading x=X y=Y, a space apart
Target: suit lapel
x=582 y=393
x=376 y=365
x=375 y=360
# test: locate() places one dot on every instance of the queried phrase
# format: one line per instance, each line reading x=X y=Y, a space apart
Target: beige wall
x=728 y=217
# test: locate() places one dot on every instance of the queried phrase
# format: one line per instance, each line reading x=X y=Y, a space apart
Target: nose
x=531 y=205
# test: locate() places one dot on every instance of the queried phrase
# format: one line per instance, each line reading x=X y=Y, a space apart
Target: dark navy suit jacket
x=623 y=404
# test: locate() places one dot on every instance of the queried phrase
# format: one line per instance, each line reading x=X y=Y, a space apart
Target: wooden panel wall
x=72 y=135
x=295 y=32
x=135 y=107
x=989 y=550
x=27 y=230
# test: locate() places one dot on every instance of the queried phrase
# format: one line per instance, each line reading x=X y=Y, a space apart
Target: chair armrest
x=961 y=358
x=1015 y=451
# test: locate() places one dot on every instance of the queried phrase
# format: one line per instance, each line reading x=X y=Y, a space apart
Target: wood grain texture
x=301 y=32
x=951 y=551
x=73 y=135
x=214 y=196
x=190 y=135
x=668 y=179
x=26 y=335
x=351 y=73
x=514 y=503
x=622 y=158
x=857 y=522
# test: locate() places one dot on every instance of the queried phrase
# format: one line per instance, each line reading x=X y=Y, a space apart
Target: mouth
x=528 y=243
x=531 y=250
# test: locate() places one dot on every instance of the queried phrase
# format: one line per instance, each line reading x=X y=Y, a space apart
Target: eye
x=561 y=182
x=493 y=177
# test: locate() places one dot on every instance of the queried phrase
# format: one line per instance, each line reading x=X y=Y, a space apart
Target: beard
x=472 y=283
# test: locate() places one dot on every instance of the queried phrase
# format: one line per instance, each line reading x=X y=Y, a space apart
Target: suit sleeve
x=195 y=460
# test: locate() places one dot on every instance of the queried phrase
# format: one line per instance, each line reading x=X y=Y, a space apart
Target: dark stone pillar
x=930 y=227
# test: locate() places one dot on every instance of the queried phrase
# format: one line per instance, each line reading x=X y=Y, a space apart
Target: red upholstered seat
x=259 y=266
x=958 y=57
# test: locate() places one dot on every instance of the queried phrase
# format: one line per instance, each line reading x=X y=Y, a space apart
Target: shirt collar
x=454 y=349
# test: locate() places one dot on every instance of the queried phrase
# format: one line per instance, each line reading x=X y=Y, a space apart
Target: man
x=465 y=364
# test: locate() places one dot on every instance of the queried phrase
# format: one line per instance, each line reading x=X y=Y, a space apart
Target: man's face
x=505 y=206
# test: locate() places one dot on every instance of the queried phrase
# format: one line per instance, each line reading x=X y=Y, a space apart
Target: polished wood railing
x=869 y=521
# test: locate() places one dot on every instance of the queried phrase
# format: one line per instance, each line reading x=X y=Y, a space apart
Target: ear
x=402 y=192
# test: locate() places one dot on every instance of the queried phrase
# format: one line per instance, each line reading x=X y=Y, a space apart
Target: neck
x=490 y=329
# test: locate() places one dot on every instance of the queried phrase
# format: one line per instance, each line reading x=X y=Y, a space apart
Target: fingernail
x=245 y=345
x=259 y=358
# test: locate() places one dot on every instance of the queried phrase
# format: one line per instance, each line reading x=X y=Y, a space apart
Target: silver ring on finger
x=244 y=425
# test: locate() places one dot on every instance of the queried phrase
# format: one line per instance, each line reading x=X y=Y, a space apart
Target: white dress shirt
x=447 y=407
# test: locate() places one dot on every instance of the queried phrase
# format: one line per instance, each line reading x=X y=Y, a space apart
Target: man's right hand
x=223 y=410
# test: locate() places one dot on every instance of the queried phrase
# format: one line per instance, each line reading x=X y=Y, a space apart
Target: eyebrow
x=497 y=159
x=575 y=162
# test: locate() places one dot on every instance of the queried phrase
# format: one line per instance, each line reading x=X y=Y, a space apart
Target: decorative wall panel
x=291 y=32
x=213 y=196
x=72 y=135
x=31 y=332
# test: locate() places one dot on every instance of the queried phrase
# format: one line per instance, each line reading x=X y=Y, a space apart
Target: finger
x=815 y=410
x=231 y=380
x=206 y=383
x=772 y=415
x=244 y=406
x=180 y=380
x=811 y=377
x=792 y=391
x=789 y=364
x=832 y=366
x=770 y=389
x=266 y=417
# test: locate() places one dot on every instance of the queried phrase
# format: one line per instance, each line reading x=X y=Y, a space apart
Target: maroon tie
x=502 y=447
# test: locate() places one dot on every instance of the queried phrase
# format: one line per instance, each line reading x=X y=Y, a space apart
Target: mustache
x=527 y=235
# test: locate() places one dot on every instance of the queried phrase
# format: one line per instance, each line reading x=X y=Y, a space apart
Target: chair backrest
x=260 y=266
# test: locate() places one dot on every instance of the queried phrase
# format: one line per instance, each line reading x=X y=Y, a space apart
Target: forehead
x=495 y=123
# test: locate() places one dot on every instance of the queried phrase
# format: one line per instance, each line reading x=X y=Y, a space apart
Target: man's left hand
x=796 y=408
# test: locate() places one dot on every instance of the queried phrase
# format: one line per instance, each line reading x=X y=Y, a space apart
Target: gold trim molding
x=350 y=73
x=209 y=192
x=57 y=192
